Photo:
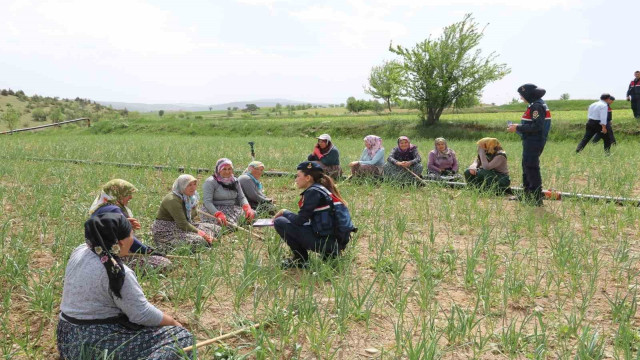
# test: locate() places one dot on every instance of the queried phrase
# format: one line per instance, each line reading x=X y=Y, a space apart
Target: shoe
x=294 y=263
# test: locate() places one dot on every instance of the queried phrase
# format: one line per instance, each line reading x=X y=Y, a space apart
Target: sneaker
x=294 y=263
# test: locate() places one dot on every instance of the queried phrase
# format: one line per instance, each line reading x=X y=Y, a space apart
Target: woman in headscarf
x=223 y=197
x=253 y=189
x=372 y=158
x=489 y=170
x=442 y=160
x=327 y=156
x=113 y=198
x=175 y=224
x=104 y=313
x=403 y=157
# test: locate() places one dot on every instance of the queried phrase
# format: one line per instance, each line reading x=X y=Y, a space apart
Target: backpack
x=336 y=221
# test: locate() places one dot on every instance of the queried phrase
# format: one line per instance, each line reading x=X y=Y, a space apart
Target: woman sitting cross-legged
x=113 y=198
x=442 y=161
x=253 y=189
x=489 y=170
x=314 y=227
x=174 y=225
x=402 y=158
x=104 y=313
x=372 y=158
x=327 y=156
x=223 y=197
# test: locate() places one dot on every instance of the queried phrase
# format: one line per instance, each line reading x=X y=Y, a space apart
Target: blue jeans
x=301 y=238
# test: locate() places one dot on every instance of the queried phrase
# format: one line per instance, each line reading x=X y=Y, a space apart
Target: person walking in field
x=327 y=156
x=633 y=94
x=114 y=197
x=490 y=170
x=175 y=224
x=533 y=129
x=323 y=223
x=104 y=313
x=599 y=121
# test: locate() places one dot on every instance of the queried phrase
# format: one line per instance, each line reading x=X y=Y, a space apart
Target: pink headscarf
x=374 y=143
x=219 y=165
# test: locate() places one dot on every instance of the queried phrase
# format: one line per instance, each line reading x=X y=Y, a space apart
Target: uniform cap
x=309 y=166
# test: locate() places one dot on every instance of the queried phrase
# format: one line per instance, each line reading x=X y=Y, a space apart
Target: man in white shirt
x=599 y=116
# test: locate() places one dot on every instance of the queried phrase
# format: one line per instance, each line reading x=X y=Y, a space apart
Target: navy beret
x=309 y=166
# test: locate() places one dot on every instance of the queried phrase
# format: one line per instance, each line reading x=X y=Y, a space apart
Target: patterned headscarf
x=442 y=154
x=254 y=165
x=112 y=193
x=219 y=165
x=411 y=146
x=179 y=185
x=102 y=233
x=374 y=143
x=489 y=144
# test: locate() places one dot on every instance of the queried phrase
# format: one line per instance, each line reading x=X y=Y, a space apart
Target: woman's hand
x=205 y=236
x=354 y=163
x=167 y=320
x=317 y=153
x=473 y=171
x=279 y=213
x=134 y=223
x=222 y=219
x=512 y=128
x=249 y=213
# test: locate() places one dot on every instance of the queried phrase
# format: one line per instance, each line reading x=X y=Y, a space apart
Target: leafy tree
x=229 y=113
x=385 y=82
x=564 y=96
x=441 y=73
x=11 y=117
x=56 y=115
x=39 y=115
x=235 y=108
x=4 y=92
x=251 y=108
x=161 y=113
x=124 y=112
x=210 y=107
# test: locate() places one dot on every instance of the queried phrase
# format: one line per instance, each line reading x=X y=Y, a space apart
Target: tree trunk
x=389 y=104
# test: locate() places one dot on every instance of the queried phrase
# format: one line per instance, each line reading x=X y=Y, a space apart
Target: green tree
x=385 y=82
x=447 y=71
x=11 y=117
x=564 y=96
x=39 y=114
x=251 y=108
x=56 y=115
x=161 y=113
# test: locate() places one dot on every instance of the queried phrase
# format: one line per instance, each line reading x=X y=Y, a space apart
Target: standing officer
x=599 y=122
x=633 y=95
x=533 y=129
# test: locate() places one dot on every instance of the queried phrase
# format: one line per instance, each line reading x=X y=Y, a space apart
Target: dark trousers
x=301 y=238
x=531 y=178
x=635 y=106
x=609 y=133
x=593 y=127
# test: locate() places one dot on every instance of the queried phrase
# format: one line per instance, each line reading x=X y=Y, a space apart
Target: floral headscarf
x=112 y=193
x=101 y=234
x=374 y=143
x=254 y=165
x=447 y=153
x=179 y=185
x=411 y=146
x=219 y=165
x=489 y=144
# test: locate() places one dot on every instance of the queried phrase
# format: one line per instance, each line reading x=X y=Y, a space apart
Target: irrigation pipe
x=234 y=226
x=167 y=256
x=221 y=337
x=549 y=194
x=46 y=126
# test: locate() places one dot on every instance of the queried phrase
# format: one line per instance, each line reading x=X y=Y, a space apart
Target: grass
x=432 y=273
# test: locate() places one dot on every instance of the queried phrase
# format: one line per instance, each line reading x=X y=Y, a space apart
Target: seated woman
x=313 y=228
x=174 y=225
x=223 y=197
x=372 y=158
x=489 y=170
x=104 y=313
x=253 y=189
x=327 y=156
x=442 y=160
x=113 y=198
x=404 y=156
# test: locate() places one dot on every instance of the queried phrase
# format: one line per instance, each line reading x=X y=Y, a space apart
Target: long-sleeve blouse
x=413 y=156
x=437 y=163
x=376 y=160
x=172 y=209
x=215 y=194
x=498 y=163
x=254 y=195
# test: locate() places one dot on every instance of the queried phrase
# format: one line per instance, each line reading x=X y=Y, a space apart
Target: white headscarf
x=179 y=185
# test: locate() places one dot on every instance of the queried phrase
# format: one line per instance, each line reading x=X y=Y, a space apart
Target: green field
x=433 y=272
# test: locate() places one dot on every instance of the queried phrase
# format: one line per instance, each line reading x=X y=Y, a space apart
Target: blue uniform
x=533 y=129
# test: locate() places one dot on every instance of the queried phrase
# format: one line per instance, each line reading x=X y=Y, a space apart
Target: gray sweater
x=251 y=192
x=86 y=294
x=213 y=194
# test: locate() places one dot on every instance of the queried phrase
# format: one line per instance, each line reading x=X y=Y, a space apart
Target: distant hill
x=198 y=107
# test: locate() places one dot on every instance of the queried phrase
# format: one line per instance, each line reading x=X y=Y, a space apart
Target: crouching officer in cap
x=315 y=226
x=599 y=123
x=533 y=129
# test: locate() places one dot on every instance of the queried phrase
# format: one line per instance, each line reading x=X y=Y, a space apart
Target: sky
x=212 y=52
